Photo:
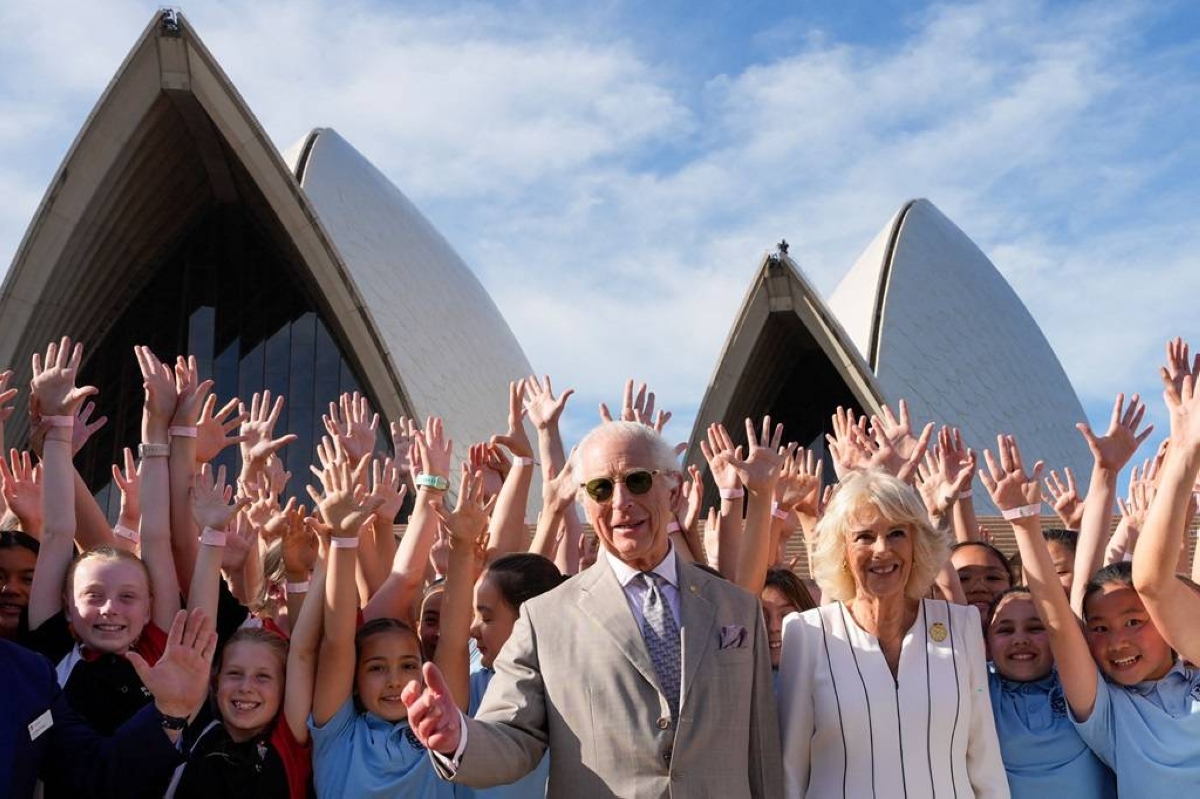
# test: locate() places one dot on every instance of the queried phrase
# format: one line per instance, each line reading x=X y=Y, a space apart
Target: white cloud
x=616 y=208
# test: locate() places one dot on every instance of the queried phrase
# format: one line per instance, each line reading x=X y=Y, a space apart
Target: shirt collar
x=1179 y=673
x=665 y=568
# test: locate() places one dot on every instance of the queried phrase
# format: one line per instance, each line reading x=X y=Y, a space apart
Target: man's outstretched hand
x=432 y=713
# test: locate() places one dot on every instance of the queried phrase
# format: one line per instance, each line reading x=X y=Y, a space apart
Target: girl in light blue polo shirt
x=1136 y=708
x=498 y=594
x=1043 y=753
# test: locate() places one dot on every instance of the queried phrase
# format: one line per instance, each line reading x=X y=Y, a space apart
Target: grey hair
x=894 y=500
x=662 y=454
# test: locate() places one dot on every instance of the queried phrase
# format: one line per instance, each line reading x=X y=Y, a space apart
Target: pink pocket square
x=733 y=636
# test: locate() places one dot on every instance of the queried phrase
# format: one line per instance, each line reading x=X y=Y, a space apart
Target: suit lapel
x=697 y=631
x=602 y=598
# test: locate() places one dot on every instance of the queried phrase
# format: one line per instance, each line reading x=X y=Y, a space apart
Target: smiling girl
x=88 y=614
x=1132 y=705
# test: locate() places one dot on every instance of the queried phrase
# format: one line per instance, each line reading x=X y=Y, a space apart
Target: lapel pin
x=693 y=588
x=937 y=631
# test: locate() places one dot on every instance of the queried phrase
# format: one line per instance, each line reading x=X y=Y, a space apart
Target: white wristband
x=212 y=538
x=732 y=493
x=121 y=531
x=297 y=588
x=518 y=461
x=181 y=432
x=343 y=543
x=966 y=494
x=1023 y=512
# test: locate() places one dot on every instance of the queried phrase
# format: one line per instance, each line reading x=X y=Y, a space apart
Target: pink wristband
x=343 y=543
x=732 y=493
x=122 y=531
x=523 y=461
x=212 y=538
x=181 y=432
x=59 y=421
x=776 y=512
x=673 y=527
x=966 y=494
x=1023 y=512
x=297 y=588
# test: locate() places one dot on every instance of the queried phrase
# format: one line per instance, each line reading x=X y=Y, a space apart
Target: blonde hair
x=893 y=500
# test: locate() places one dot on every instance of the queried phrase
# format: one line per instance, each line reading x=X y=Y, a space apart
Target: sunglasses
x=639 y=482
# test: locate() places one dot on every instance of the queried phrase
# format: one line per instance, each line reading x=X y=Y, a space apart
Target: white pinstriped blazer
x=850 y=730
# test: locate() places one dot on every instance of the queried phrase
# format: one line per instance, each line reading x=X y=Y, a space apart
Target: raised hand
x=692 y=498
x=541 y=405
x=299 y=545
x=213 y=503
x=799 y=481
x=1183 y=405
x=561 y=489
x=355 y=427
x=53 y=383
x=493 y=478
x=900 y=432
x=259 y=427
x=239 y=539
x=1178 y=363
x=345 y=504
x=1114 y=449
x=215 y=429
x=190 y=392
x=759 y=471
x=843 y=443
x=1006 y=480
x=469 y=518
x=1065 y=499
x=720 y=453
x=433 y=448
x=432 y=713
x=179 y=680
x=129 y=482
x=21 y=484
x=940 y=481
x=515 y=440
x=1135 y=508
x=404 y=433
x=158 y=380
x=385 y=486
x=7 y=395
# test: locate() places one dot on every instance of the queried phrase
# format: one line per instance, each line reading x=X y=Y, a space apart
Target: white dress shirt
x=635 y=590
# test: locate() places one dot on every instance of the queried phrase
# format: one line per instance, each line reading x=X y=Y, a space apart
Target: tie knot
x=651 y=579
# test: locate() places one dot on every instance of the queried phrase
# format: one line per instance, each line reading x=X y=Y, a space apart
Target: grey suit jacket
x=576 y=676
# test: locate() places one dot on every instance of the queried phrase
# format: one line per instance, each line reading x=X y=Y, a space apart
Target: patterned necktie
x=662 y=638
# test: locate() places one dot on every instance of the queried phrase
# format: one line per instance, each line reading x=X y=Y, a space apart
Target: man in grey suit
x=644 y=675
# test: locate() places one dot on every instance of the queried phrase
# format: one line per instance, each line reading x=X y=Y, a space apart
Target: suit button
x=667 y=757
x=664 y=723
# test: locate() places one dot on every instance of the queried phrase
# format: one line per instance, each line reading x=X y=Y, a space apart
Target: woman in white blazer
x=883 y=693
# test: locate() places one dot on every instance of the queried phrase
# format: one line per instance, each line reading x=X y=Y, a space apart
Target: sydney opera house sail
x=923 y=315
x=787 y=356
x=941 y=327
x=174 y=222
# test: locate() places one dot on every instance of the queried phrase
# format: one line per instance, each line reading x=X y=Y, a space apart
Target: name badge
x=40 y=725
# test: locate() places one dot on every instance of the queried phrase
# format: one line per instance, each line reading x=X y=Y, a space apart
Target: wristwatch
x=172 y=722
x=434 y=481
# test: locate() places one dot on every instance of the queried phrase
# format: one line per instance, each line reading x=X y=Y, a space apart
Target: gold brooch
x=937 y=631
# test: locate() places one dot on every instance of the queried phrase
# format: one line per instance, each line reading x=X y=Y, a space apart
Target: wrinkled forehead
x=610 y=455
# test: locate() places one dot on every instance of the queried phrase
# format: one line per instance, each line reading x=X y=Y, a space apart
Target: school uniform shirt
x=532 y=785
x=851 y=729
x=1043 y=753
x=101 y=687
x=273 y=764
x=1149 y=733
x=361 y=755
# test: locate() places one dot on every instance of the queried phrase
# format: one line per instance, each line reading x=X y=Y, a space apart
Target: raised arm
x=1067 y=503
x=158 y=408
x=1110 y=453
x=22 y=489
x=394 y=599
x=506 y=530
x=466 y=528
x=1018 y=496
x=257 y=432
x=345 y=507
x=758 y=473
x=300 y=545
x=213 y=507
x=720 y=453
x=1172 y=604
x=55 y=394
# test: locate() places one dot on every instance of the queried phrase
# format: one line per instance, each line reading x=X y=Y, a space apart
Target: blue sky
x=645 y=155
